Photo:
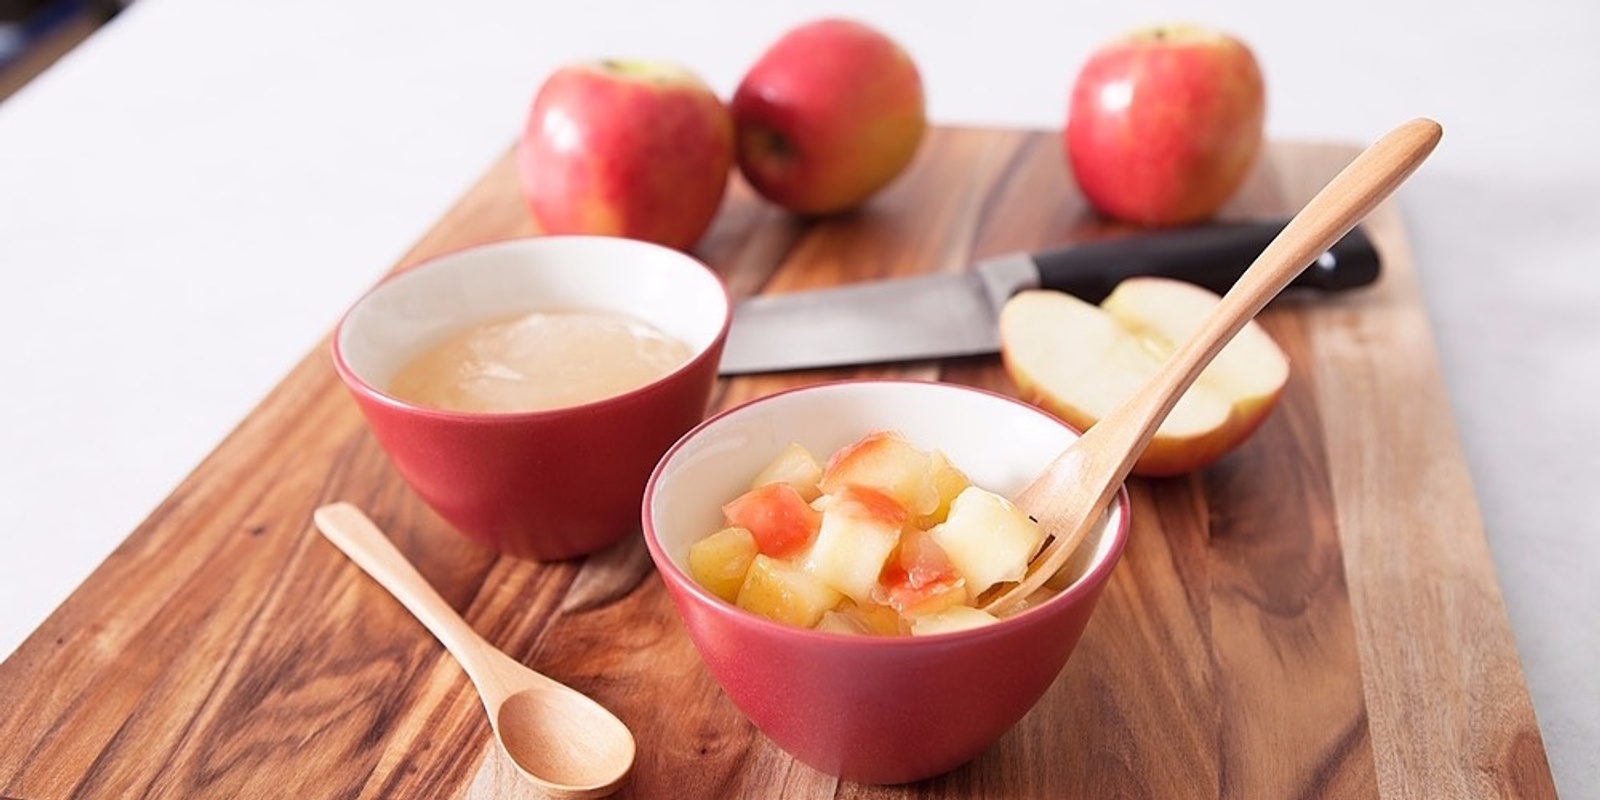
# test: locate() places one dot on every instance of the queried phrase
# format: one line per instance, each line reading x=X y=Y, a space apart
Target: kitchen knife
x=948 y=315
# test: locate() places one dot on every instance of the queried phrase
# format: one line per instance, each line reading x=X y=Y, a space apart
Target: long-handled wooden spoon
x=1070 y=495
x=565 y=742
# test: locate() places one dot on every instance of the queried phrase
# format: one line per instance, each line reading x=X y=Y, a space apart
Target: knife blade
x=952 y=315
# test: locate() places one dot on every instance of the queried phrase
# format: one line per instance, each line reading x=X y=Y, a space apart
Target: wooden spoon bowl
x=558 y=738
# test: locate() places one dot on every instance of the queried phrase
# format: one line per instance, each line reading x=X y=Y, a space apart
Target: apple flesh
x=626 y=148
x=784 y=592
x=796 y=467
x=868 y=620
x=948 y=481
x=828 y=115
x=955 y=618
x=885 y=461
x=988 y=539
x=1079 y=361
x=1164 y=124
x=860 y=528
x=857 y=559
x=920 y=579
x=720 y=561
x=777 y=517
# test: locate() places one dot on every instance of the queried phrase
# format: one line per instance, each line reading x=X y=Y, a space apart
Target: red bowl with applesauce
x=542 y=484
x=874 y=709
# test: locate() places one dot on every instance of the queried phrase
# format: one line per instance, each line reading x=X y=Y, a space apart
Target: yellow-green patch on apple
x=1079 y=361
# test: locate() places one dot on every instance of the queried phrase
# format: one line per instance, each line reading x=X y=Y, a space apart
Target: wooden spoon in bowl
x=1070 y=495
x=563 y=741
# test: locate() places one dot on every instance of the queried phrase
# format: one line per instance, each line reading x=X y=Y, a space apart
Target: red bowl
x=543 y=484
x=874 y=709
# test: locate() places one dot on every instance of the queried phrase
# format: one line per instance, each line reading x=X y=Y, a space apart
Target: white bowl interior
x=998 y=442
x=411 y=311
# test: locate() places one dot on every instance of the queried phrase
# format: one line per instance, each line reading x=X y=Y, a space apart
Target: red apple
x=626 y=148
x=1164 y=124
x=828 y=115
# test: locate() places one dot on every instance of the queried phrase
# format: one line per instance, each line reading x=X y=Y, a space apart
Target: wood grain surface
x=1315 y=616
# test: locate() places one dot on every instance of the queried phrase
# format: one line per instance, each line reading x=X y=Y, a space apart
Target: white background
x=188 y=201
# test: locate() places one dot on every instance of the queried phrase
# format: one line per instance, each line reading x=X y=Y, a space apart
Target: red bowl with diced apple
x=880 y=709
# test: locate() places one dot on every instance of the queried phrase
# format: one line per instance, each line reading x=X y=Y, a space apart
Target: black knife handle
x=1213 y=256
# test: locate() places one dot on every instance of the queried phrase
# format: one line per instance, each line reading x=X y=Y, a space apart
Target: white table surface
x=189 y=200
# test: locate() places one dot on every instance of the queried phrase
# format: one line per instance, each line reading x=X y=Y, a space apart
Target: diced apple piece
x=919 y=578
x=868 y=619
x=987 y=539
x=957 y=618
x=795 y=466
x=885 y=461
x=948 y=482
x=719 y=561
x=837 y=622
x=860 y=528
x=777 y=516
x=783 y=592
x=920 y=559
x=933 y=597
x=1079 y=361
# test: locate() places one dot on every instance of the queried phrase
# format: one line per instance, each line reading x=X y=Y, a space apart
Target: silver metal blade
x=906 y=319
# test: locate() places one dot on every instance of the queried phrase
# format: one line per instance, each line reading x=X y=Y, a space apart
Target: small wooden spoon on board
x=563 y=741
x=1070 y=495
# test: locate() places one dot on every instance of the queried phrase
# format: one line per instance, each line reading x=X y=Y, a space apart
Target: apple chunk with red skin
x=887 y=462
x=779 y=520
x=1164 y=124
x=860 y=529
x=828 y=115
x=1079 y=361
x=626 y=148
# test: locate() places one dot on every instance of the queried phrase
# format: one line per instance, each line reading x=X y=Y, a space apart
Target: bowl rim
x=442 y=260
x=1098 y=573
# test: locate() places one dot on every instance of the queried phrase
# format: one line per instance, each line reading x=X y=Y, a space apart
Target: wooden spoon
x=568 y=744
x=1070 y=495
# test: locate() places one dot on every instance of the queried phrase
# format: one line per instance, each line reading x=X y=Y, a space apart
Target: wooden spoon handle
x=1069 y=495
x=354 y=533
x=1347 y=199
x=1343 y=202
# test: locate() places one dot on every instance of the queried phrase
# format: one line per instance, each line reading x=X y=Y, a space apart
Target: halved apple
x=1079 y=361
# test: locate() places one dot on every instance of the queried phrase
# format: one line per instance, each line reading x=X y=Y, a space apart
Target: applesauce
x=538 y=361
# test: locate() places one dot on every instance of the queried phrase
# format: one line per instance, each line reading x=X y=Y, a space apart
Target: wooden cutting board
x=1314 y=616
